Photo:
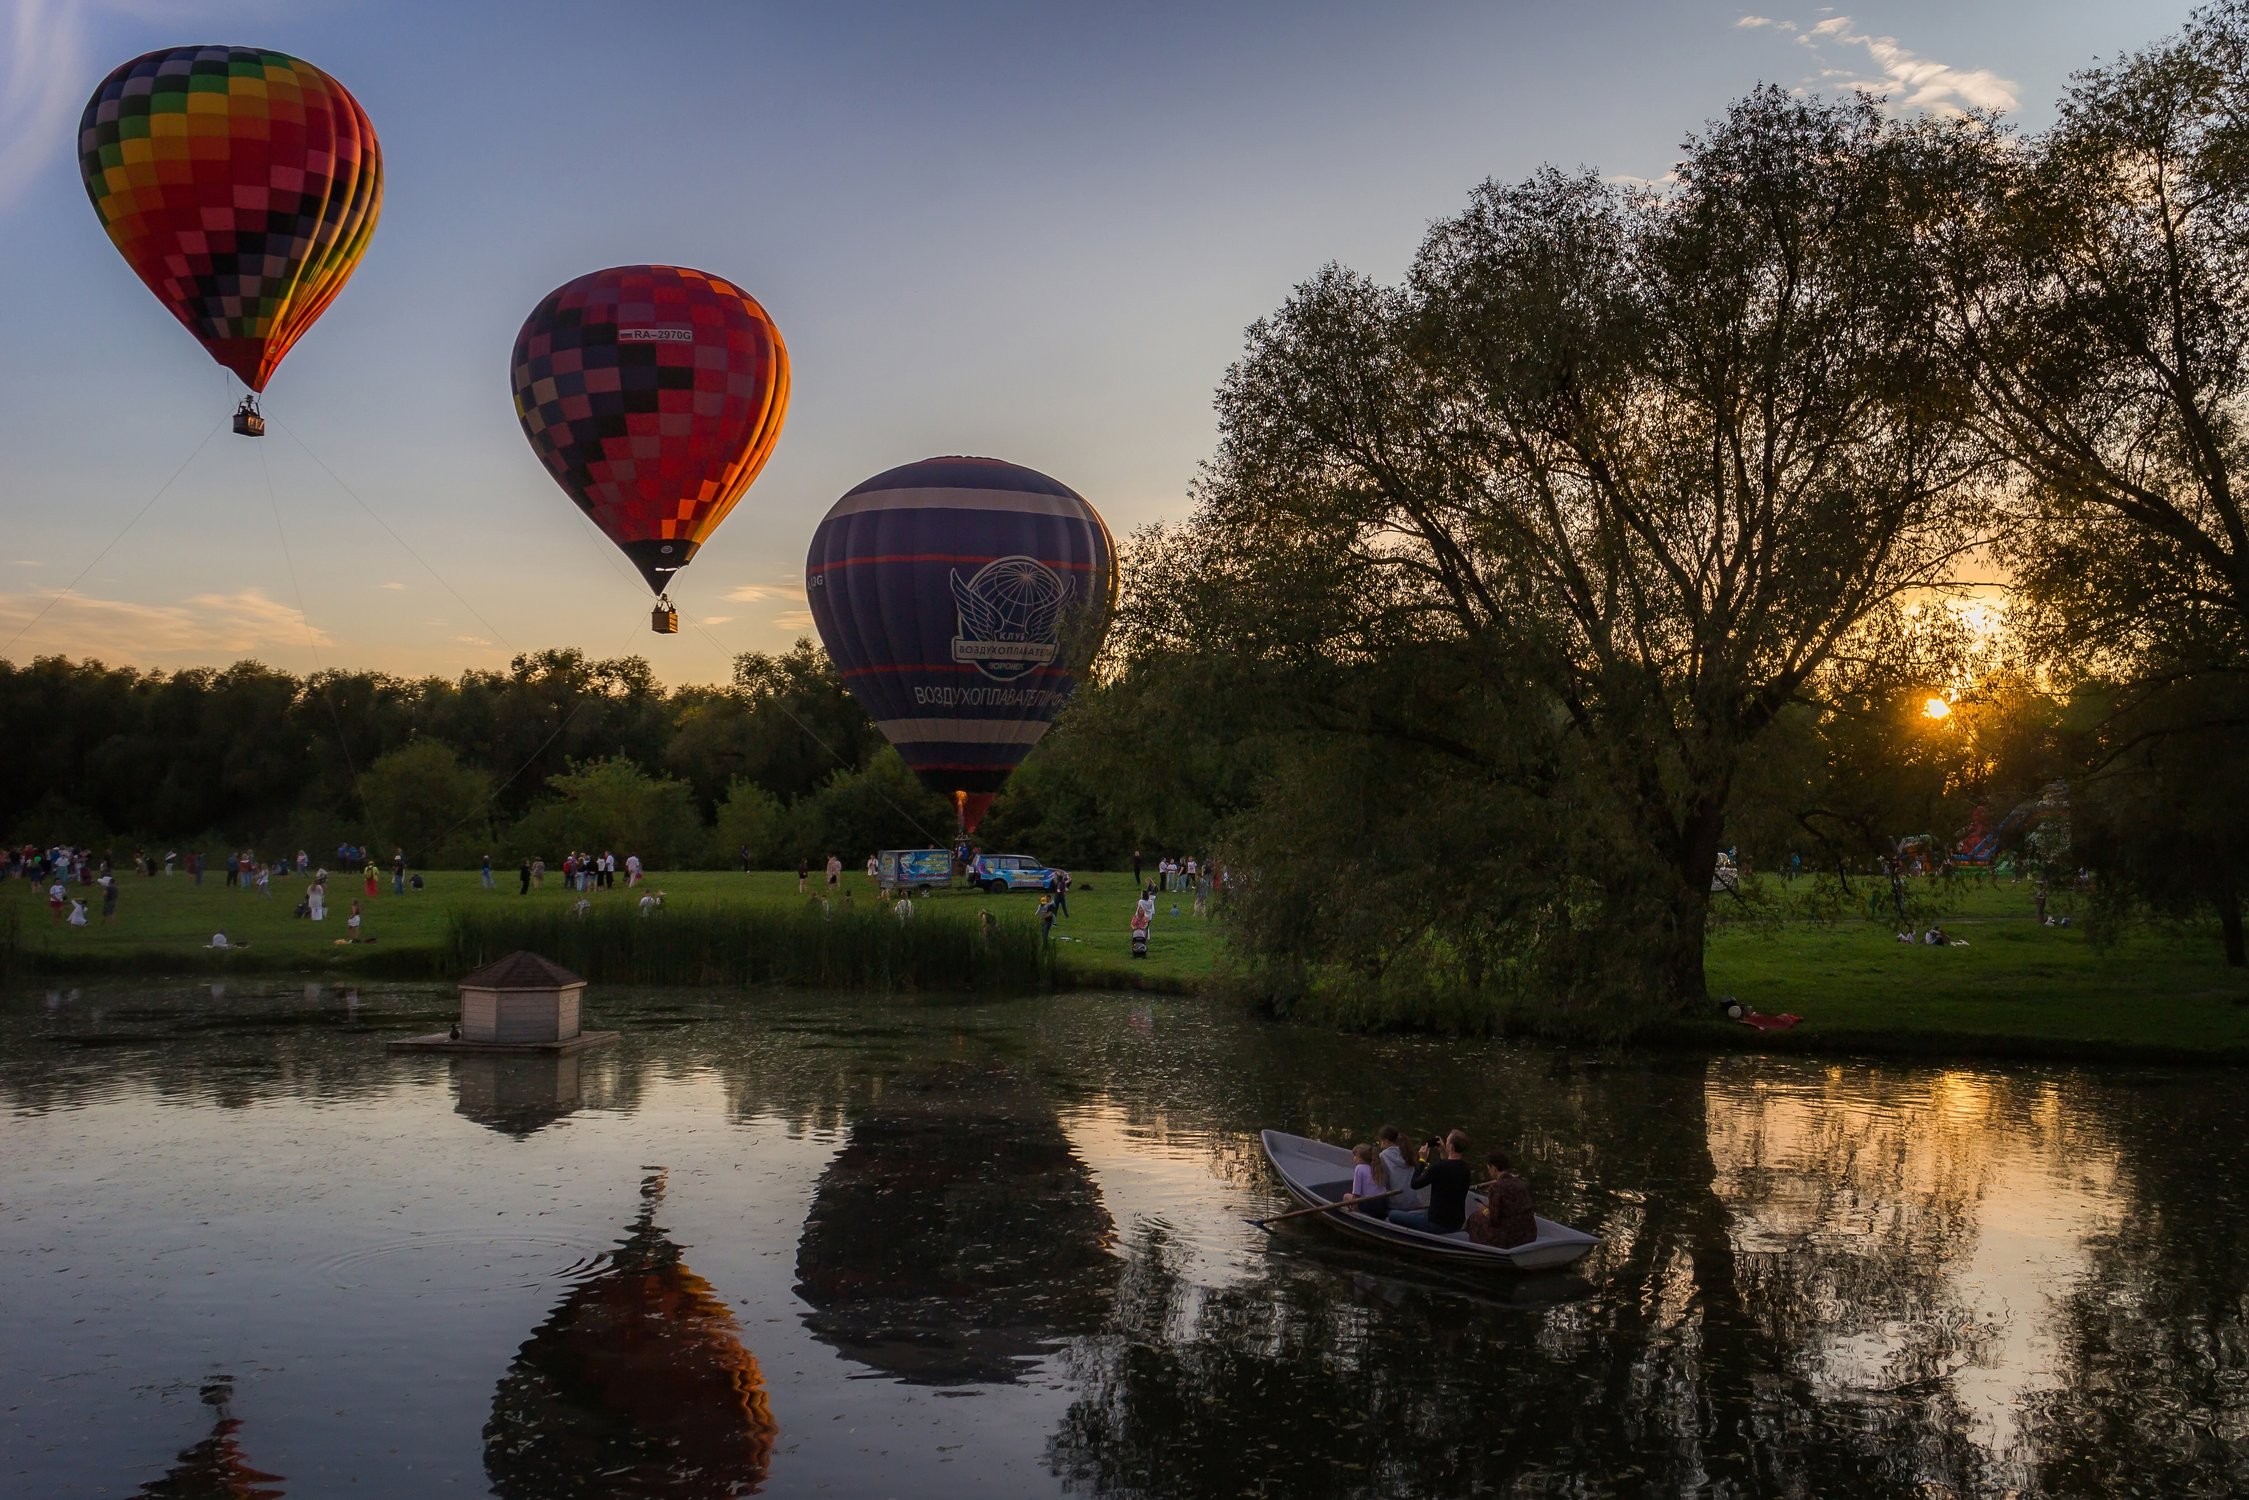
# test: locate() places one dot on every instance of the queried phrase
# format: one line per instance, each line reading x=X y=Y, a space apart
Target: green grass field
x=164 y=921
x=2016 y=988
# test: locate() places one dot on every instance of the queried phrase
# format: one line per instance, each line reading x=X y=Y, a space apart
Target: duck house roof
x=521 y=971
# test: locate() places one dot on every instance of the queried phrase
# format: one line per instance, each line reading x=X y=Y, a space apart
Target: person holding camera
x=1444 y=1172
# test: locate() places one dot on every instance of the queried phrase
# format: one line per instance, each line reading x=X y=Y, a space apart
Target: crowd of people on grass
x=1429 y=1191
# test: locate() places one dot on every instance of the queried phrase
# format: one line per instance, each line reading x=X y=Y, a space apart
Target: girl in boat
x=1369 y=1194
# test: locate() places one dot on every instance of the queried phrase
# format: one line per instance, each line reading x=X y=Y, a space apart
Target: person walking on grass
x=486 y=872
x=804 y=873
x=351 y=925
x=523 y=874
x=835 y=872
x=109 y=898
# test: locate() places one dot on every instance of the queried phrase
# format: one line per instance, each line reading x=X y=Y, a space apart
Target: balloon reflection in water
x=956 y=1235
x=214 y=1469
x=637 y=1384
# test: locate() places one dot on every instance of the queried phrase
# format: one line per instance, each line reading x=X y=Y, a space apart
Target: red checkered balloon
x=653 y=394
x=241 y=185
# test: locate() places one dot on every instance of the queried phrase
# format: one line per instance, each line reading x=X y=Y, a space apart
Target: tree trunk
x=1680 y=966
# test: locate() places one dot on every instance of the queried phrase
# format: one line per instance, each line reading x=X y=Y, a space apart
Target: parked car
x=999 y=873
x=918 y=870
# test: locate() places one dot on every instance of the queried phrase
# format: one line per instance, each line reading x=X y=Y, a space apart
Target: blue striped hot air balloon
x=961 y=597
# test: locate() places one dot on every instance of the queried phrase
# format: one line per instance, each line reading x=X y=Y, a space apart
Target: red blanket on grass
x=1764 y=1022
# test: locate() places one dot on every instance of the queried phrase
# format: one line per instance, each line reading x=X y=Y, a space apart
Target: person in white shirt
x=632 y=870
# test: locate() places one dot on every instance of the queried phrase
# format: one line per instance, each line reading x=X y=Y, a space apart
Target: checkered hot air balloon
x=961 y=598
x=653 y=394
x=241 y=185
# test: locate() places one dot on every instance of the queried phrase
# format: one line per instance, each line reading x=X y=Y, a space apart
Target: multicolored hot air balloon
x=653 y=394
x=961 y=597
x=242 y=186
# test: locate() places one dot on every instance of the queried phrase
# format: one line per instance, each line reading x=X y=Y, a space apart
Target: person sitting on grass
x=219 y=941
x=652 y=901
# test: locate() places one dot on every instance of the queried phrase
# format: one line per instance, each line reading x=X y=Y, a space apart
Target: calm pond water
x=851 y=1247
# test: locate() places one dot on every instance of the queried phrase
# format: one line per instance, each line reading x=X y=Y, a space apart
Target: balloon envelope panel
x=961 y=597
x=242 y=187
x=653 y=394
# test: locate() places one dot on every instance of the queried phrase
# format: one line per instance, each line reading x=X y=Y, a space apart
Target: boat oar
x=1329 y=1208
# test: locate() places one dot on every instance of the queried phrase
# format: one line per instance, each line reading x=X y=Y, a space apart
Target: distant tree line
x=559 y=752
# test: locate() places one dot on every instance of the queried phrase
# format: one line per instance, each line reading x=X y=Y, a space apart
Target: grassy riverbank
x=2016 y=989
x=163 y=923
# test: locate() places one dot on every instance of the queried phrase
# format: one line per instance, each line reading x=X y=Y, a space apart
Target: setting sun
x=1936 y=708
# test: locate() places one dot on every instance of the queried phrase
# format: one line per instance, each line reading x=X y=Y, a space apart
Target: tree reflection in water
x=2154 y=1396
x=956 y=1235
x=1684 y=1373
x=215 y=1468
x=636 y=1385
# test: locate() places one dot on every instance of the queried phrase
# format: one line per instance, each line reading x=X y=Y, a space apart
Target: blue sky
x=1032 y=231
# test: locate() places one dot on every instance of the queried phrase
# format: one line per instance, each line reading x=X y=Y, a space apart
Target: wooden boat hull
x=1317 y=1173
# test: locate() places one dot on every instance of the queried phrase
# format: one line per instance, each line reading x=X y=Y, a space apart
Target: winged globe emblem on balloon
x=1010 y=616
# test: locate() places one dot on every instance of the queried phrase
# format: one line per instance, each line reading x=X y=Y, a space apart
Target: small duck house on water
x=522 y=1003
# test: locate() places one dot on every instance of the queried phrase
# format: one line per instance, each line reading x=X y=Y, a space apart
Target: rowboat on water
x=1317 y=1174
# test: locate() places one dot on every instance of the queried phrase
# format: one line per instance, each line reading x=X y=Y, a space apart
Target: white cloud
x=201 y=627
x=1908 y=80
x=752 y=593
x=795 y=619
x=396 y=587
x=472 y=640
x=718 y=619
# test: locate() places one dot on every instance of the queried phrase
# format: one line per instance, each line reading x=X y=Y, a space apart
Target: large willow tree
x=2102 y=277
x=1633 y=462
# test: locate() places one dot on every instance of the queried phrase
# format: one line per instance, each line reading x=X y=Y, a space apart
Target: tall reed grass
x=829 y=948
